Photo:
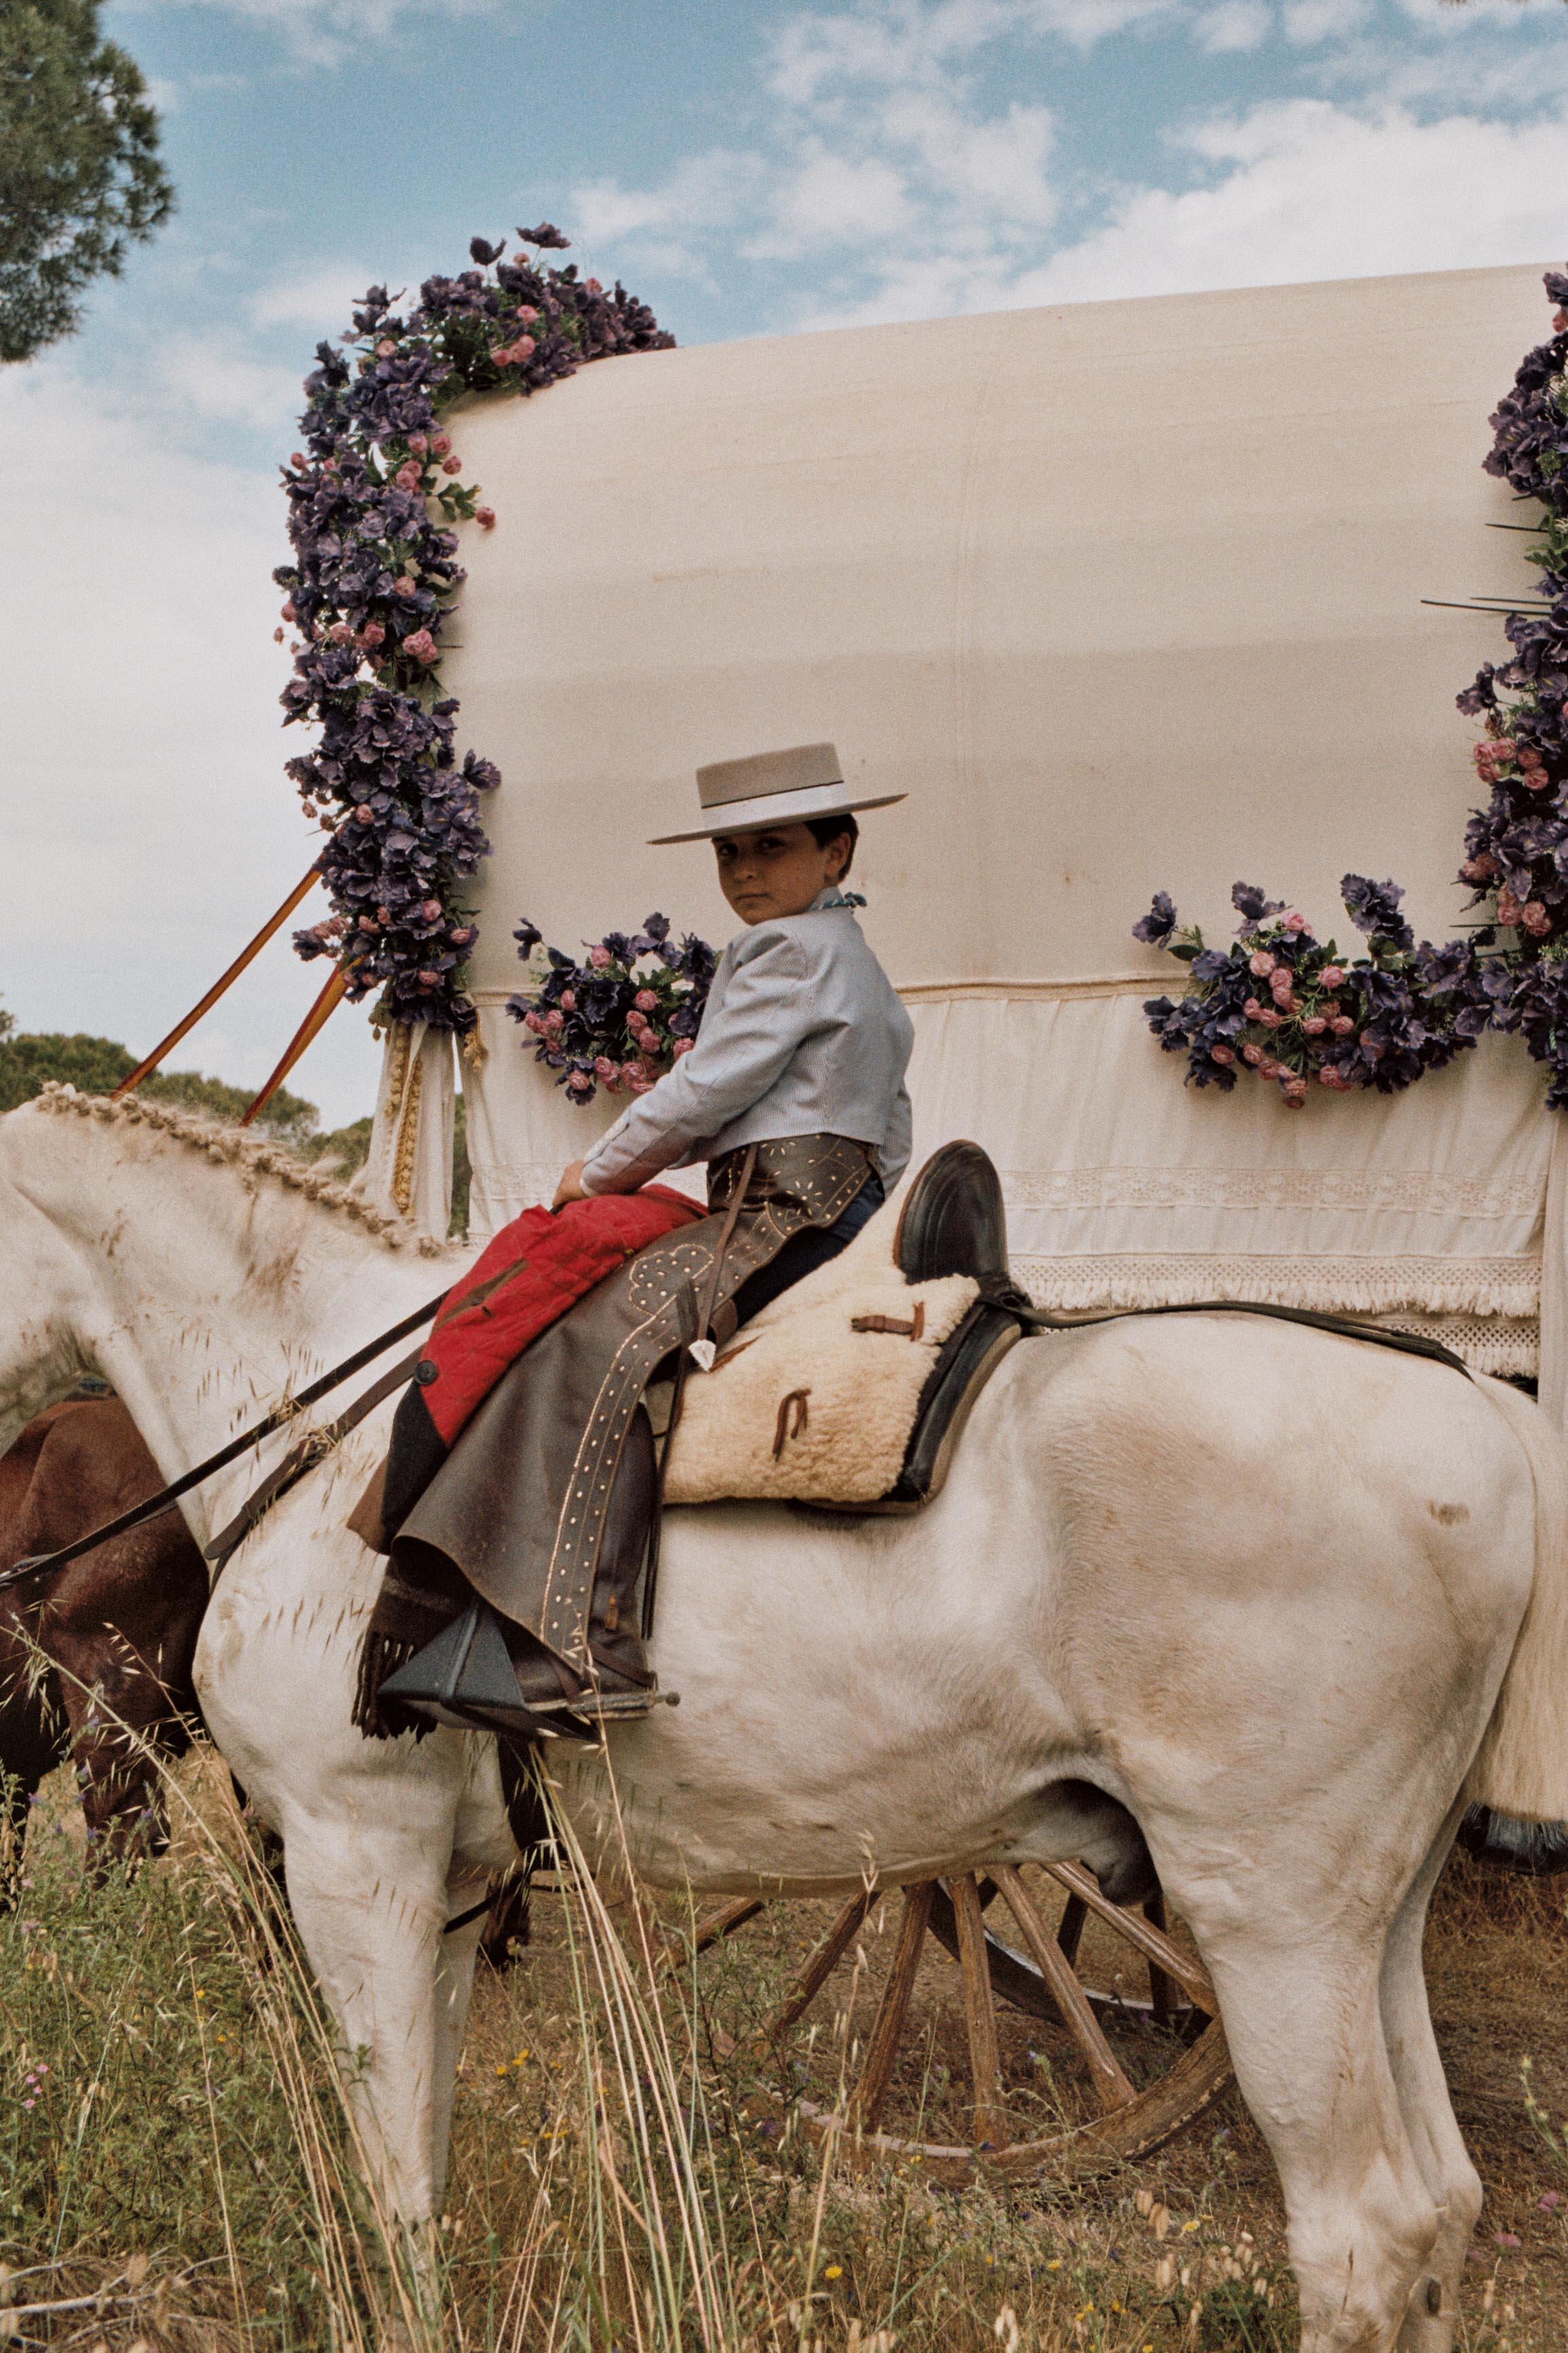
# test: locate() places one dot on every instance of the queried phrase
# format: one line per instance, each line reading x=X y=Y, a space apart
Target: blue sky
x=750 y=168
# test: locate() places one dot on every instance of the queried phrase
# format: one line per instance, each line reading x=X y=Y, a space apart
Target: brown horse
x=95 y=1659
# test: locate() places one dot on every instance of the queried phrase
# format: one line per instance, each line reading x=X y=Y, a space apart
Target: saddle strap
x=1409 y=1343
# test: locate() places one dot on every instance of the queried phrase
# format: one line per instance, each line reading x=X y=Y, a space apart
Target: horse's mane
x=257 y=1155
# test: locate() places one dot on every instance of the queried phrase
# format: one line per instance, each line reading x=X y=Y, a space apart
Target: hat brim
x=776 y=808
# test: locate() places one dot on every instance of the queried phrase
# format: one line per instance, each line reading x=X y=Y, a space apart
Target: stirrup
x=591 y=1706
x=465 y=1678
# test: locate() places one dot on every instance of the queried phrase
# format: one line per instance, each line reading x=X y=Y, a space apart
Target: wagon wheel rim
x=1041 y=1979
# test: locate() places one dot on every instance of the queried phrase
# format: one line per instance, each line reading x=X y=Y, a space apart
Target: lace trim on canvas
x=1414 y=1190
x=1509 y=1346
x=1344 y=1286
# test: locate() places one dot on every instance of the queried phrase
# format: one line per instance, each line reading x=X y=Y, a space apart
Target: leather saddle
x=953 y=1221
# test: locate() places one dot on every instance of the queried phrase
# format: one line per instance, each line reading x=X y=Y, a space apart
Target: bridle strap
x=154 y=1506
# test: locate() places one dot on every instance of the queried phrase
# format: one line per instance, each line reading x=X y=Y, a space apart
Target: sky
x=748 y=168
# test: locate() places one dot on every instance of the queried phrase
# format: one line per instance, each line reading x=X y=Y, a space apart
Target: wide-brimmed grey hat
x=773 y=788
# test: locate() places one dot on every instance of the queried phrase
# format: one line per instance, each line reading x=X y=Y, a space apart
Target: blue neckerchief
x=833 y=897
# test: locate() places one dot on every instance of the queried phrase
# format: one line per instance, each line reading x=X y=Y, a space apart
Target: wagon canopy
x=1123 y=596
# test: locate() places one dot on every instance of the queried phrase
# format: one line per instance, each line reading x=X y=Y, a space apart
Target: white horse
x=1285 y=1598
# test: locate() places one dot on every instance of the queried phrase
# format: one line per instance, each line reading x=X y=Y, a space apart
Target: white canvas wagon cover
x=1123 y=596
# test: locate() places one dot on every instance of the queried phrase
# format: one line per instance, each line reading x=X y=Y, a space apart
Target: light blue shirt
x=802 y=1035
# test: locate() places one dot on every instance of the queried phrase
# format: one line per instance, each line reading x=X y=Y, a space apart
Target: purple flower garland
x=621 y=1018
x=1387 y=1019
x=372 y=585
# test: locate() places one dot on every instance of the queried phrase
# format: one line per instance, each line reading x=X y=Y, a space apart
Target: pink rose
x=277 y=636
x=297 y=459
x=1270 y=1019
x=1252 y=1008
x=328 y=465
x=365 y=813
x=555 y=1022
x=485 y=517
x=451 y=466
x=1509 y=908
x=431 y=910
x=289 y=615
x=404 y=583
x=386 y=349
x=684 y=1046
x=1341 y=1025
x=599 y=958
x=441 y=443
x=422 y=647
x=1281 y=980
x=500 y=355
x=461 y=936
x=638 y=1084
x=1295 y=923
x=1253 y=1054
x=1314 y=1025
x=1328 y=1077
x=340 y=633
x=646 y=1001
x=368 y=924
x=567 y=1000
x=534 y=1022
x=523 y=350
x=1223 y=1055
x=430 y=979
x=420 y=443
x=604 y=1068
x=1535 y=780
x=1535 y=919
x=1261 y=963
x=1268 y=1068
x=383 y=914
x=1559 y=321
x=408 y=476
x=526 y=313
x=1331 y=976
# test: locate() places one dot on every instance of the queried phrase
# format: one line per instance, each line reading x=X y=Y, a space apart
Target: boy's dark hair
x=824 y=830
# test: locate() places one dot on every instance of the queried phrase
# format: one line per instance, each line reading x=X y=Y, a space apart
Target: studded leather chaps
x=519 y=1507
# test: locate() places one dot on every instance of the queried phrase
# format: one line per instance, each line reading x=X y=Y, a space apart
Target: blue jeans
x=806 y=1251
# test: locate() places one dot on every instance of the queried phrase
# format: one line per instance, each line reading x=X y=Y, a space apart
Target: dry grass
x=625 y=2171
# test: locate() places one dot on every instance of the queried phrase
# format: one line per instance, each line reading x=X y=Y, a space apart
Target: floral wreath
x=1280 y=1005
x=373 y=583
x=623 y=1015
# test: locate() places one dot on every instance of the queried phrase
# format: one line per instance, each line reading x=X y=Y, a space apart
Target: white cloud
x=1233 y=24
x=1310 y=190
x=149 y=828
x=214 y=375
x=325 y=32
x=1308 y=22
x=318 y=298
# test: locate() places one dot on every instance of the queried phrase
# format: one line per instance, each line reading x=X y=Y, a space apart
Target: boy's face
x=777 y=871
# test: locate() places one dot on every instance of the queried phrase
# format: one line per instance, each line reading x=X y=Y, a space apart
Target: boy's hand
x=571 y=1186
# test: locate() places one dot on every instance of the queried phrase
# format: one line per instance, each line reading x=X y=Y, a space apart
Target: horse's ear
x=953 y=1220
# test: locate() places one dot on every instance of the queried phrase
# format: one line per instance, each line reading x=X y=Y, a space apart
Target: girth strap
x=1409 y=1343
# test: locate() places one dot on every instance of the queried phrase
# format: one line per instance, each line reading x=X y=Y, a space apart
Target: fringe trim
x=1508 y=1287
x=381 y=1655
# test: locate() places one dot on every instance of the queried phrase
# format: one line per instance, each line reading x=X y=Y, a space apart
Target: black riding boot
x=485 y=1671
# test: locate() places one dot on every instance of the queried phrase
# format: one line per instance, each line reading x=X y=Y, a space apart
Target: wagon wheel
x=1179 y=2016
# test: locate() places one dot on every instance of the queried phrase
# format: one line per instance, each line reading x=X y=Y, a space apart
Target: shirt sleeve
x=740 y=1051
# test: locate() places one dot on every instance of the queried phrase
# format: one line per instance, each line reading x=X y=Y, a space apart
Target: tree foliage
x=79 y=175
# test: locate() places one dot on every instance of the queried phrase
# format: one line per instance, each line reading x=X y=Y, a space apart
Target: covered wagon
x=1124 y=596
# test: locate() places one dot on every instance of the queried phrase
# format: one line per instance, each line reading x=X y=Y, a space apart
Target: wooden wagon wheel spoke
x=824 y=1961
x=1151 y=1941
x=887 y=2032
x=984 y=2056
x=1111 y=2087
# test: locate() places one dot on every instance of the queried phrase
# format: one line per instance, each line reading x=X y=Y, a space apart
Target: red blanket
x=533 y=1271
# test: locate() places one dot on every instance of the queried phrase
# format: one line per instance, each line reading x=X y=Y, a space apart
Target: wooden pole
x=315 y=1021
x=247 y=956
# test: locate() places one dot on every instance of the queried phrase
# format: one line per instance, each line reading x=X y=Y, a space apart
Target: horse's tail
x=1521 y=1766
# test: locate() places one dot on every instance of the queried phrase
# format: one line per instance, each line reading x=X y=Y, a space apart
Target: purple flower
x=1156 y=926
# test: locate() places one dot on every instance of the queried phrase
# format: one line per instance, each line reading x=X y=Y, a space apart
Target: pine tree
x=79 y=175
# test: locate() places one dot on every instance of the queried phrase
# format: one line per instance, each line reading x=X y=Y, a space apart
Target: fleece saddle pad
x=815 y=1399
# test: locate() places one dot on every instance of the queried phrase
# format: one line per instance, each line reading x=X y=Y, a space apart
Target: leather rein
x=293 y=1467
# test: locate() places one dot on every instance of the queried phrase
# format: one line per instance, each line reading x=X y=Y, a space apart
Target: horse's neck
x=215 y=1292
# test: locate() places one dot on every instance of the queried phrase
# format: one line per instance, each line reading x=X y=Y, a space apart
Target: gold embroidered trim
x=407 y=1131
